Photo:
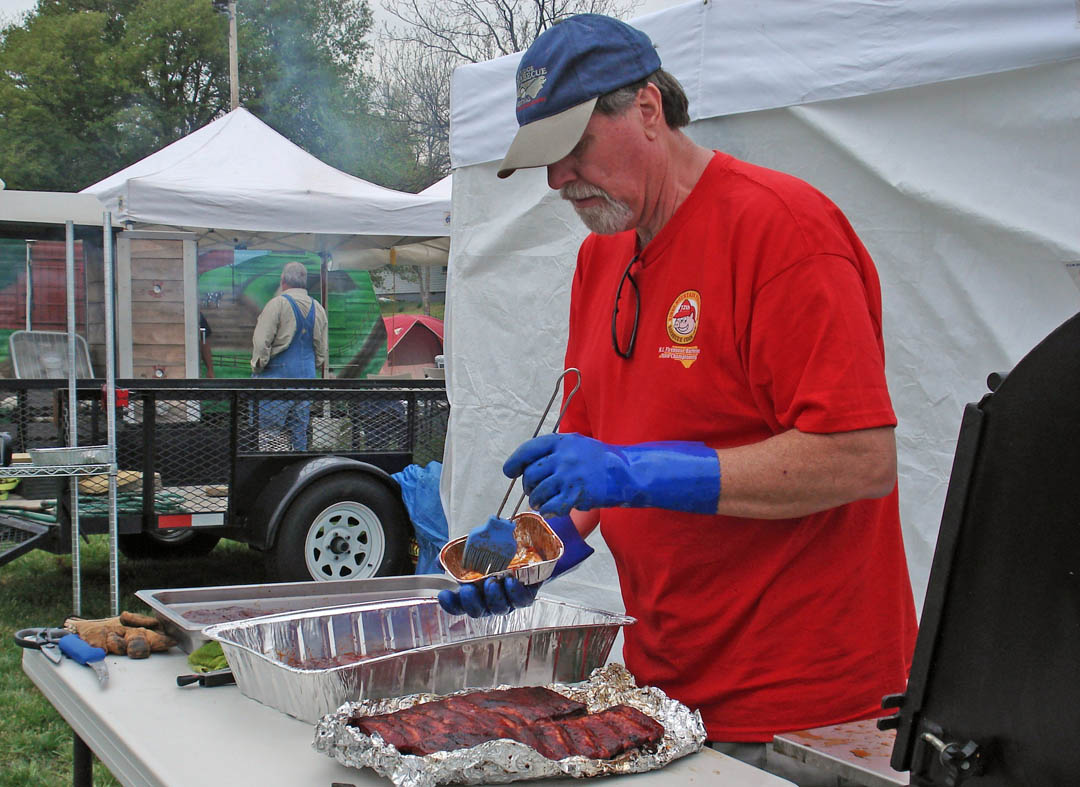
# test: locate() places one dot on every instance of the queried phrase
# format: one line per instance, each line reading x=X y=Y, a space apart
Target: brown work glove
x=135 y=636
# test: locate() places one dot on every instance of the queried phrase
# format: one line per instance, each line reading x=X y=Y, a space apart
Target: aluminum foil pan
x=185 y=612
x=502 y=761
x=530 y=530
x=78 y=455
x=308 y=663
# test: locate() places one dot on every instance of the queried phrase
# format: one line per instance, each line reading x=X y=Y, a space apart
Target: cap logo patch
x=530 y=81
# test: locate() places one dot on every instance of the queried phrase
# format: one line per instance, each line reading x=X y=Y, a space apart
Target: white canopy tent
x=945 y=131
x=50 y=208
x=434 y=251
x=236 y=180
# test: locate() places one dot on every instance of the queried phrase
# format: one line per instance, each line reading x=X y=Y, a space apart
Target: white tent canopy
x=434 y=251
x=50 y=208
x=945 y=131
x=236 y=180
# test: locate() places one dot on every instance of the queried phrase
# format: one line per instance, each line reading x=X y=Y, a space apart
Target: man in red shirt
x=733 y=434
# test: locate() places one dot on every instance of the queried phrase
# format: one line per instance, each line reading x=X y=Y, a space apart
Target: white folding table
x=149 y=731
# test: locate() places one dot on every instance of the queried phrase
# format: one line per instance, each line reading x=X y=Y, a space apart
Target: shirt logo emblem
x=683 y=317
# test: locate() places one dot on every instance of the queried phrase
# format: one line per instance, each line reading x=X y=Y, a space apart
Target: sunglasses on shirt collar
x=616 y=343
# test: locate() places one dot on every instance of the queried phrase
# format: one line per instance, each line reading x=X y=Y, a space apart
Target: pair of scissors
x=44 y=639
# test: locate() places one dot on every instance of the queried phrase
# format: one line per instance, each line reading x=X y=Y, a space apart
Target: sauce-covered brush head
x=537 y=549
x=491 y=546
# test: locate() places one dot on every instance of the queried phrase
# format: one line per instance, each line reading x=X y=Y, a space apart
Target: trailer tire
x=345 y=526
x=167 y=544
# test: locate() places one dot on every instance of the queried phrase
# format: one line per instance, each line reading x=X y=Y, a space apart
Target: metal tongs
x=492 y=546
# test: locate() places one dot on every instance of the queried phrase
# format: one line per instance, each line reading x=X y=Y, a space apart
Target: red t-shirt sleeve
x=814 y=356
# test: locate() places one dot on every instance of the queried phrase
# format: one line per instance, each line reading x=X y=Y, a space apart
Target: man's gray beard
x=608 y=218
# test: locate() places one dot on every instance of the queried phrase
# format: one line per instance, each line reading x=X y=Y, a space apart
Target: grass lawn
x=35 y=590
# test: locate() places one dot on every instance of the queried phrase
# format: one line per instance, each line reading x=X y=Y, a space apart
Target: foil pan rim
x=502 y=761
x=218 y=631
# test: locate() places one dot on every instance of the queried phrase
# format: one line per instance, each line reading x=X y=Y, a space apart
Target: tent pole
x=110 y=412
x=29 y=283
x=73 y=414
x=326 y=304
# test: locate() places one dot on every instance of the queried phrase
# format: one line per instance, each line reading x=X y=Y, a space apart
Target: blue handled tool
x=491 y=546
x=77 y=649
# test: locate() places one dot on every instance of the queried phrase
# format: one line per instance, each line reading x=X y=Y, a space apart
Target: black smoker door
x=994 y=692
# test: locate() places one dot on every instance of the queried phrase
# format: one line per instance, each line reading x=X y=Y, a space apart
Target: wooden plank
x=145 y=260
x=173 y=372
x=148 y=270
x=158 y=334
x=157 y=355
x=162 y=235
x=191 y=309
x=123 y=318
x=156 y=312
x=157 y=291
x=146 y=247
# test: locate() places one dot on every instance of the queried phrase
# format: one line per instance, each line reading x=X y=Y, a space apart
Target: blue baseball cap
x=561 y=75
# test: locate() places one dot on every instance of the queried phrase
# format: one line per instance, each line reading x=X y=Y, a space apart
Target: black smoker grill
x=994 y=692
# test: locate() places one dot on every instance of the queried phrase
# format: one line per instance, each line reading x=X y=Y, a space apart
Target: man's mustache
x=583 y=191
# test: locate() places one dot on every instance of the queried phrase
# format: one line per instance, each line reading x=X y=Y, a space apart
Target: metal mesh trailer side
x=204 y=447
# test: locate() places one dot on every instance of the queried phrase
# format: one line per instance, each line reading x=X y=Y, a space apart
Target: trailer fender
x=280 y=491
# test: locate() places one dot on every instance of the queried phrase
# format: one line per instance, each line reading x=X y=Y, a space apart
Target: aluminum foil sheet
x=308 y=663
x=503 y=761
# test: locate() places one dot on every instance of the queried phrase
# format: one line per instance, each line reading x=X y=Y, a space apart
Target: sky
x=10 y=9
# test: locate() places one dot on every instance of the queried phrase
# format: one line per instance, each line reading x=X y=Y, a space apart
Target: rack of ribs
x=601 y=735
x=554 y=725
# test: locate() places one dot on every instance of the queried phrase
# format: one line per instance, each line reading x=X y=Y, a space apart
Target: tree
x=389 y=275
x=301 y=68
x=90 y=86
x=177 y=66
x=87 y=87
x=418 y=53
x=60 y=92
x=429 y=39
x=477 y=30
x=414 y=95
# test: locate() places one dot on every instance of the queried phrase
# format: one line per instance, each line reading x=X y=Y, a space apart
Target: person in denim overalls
x=289 y=344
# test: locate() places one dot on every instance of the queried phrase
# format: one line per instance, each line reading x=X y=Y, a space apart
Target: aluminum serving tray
x=307 y=664
x=185 y=612
x=70 y=455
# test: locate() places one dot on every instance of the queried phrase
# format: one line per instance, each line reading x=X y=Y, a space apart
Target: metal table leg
x=82 y=763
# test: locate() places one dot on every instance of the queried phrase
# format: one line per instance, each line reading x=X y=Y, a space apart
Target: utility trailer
x=200 y=460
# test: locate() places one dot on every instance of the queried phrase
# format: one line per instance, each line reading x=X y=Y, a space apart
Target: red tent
x=412 y=342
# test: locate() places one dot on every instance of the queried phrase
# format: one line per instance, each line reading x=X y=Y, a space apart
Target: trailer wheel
x=347 y=526
x=179 y=542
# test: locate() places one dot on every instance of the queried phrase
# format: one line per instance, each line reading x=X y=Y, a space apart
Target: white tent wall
x=972 y=260
x=963 y=184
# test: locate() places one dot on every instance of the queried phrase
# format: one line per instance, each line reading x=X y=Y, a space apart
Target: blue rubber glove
x=564 y=471
x=499 y=596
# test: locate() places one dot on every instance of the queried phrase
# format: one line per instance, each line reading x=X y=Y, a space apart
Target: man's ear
x=650 y=104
